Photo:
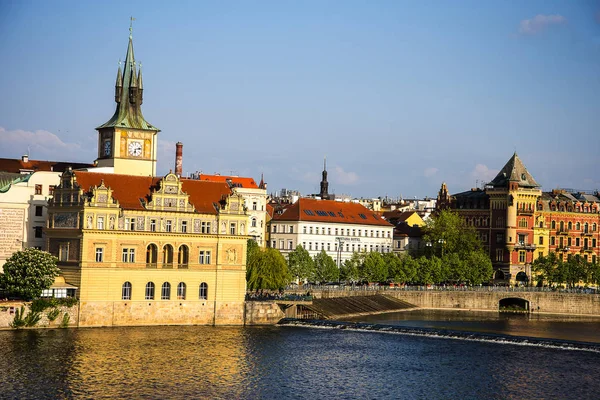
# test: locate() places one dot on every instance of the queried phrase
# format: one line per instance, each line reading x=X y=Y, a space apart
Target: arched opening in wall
x=522 y=277
x=168 y=256
x=183 y=256
x=499 y=275
x=151 y=255
x=513 y=304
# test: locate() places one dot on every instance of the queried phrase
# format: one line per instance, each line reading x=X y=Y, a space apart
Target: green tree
x=28 y=272
x=394 y=267
x=349 y=269
x=448 y=233
x=325 y=268
x=479 y=268
x=300 y=264
x=409 y=267
x=266 y=269
x=547 y=268
x=373 y=268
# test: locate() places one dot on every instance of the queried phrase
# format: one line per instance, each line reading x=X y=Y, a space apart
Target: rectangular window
x=499 y=255
x=291 y=229
x=274 y=228
x=541 y=240
x=310 y=245
x=39 y=211
x=329 y=231
x=63 y=252
x=522 y=239
x=130 y=224
x=274 y=244
x=540 y=254
x=232 y=228
x=183 y=226
x=205 y=227
x=281 y=244
x=336 y=231
x=353 y=232
x=311 y=230
x=304 y=244
x=499 y=237
x=152 y=225
x=304 y=229
x=521 y=256
x=290 y=245
x=99 y=254
x=38 y=189
x=552 y=241
x=38 y=231
x=328 y=246
x=128 y=256
x=569 y=242
x=100 y=223
x=51 y=190
x=577 y=242
x=254 y=205
x=594 y=242
x=204 y=257
x=169 y=226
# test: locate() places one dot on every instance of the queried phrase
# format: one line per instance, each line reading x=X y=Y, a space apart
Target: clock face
x=135 y=149
x=107 y=148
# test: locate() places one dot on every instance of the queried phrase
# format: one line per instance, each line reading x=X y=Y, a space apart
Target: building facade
x=338 y=228
x=518 y=223
x=142 y=249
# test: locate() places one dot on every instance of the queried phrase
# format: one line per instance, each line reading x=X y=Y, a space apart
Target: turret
x=133 y=86
x=140 y=86
x=324 y=194
x=119 y=84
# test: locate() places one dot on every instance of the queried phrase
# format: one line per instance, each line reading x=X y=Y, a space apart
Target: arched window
x=168 y=256
x=594 y=227
x=553 y=224
x=562 y=225
x=578 y=226
x=149 y=291
x=181 y=289
x=151 y=255
x=253 y=222
x=165 y=291
x=183 y=256
x=126 y=291
x=570 y=225
x=203 y=291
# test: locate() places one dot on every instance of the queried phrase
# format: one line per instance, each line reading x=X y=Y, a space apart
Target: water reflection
x=585 y=329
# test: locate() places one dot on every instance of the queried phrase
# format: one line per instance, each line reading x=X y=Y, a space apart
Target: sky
x=399 y=96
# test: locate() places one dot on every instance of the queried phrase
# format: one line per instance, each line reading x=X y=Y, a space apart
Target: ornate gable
x=169 y=196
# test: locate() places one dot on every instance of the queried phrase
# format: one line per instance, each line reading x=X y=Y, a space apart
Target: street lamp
x=442 y=242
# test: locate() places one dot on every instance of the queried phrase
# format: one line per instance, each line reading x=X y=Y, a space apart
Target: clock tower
x=127 y=142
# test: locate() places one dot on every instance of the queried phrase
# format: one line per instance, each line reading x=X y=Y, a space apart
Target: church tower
x=324 y=184
x=127 y=142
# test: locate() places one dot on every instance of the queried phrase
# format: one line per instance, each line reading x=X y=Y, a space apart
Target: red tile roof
x=17 y=165
x=236 y=180
x=131 y=190
x=306 y=209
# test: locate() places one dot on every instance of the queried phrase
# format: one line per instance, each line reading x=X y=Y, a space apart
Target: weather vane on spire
x=131 y=19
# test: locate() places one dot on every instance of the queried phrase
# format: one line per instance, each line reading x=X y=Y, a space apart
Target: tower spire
x=324 y=184
x=129 y=97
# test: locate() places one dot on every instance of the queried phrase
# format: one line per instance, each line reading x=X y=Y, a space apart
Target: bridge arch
x=513 y=304
x=499 y=274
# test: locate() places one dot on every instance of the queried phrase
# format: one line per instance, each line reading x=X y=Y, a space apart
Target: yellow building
x=141 y=249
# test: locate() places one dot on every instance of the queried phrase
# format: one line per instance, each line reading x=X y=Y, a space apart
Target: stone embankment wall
x=263 y=313
x=539 y=302
x=8 y=311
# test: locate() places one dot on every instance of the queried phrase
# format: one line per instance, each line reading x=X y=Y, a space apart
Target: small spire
x=325 y=163
x=139 y=78
x=119 y=76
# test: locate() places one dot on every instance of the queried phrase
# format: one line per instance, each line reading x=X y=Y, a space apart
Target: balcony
x=525 y=246
x=588 y=233
x=151 y=265
x=167 y=266
x=182 y=266
x=562 y=232
x=587 y=249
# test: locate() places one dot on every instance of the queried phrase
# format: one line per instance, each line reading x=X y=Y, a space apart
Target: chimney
x=25 y=158
x=178 y=159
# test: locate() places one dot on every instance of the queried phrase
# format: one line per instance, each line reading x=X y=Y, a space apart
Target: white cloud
x=344 y=178
x=42 y=145
x=482 y=173
x=429 y=172
x=539 y=23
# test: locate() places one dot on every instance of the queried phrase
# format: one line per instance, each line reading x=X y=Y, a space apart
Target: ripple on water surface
x=281 y=362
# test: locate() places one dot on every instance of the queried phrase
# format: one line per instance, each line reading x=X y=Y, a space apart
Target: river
x=359 y=361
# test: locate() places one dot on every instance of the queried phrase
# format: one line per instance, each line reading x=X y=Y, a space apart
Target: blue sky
x=399 y=96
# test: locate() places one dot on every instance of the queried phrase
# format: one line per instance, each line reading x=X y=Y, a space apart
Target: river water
x=410 y=355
